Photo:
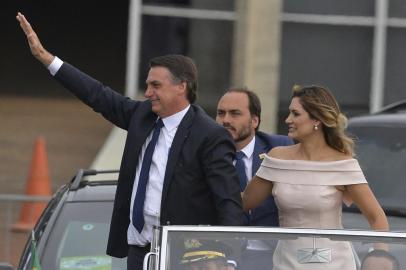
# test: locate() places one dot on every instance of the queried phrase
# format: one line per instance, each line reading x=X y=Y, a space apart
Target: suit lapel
x=259 y=149
x=176 y=147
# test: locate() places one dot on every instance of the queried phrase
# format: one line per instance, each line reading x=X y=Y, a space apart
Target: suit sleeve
x=218 y=154
x=115 y=107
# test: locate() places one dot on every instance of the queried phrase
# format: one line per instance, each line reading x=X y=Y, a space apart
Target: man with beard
x=239 y=111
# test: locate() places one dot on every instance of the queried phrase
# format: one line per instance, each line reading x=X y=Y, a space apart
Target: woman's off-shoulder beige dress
x=309 y=195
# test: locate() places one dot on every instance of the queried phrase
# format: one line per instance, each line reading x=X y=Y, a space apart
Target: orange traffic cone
x=38 y=184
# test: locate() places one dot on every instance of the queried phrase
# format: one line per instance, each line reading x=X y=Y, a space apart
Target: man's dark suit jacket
x=201 y=184
x=267 y=213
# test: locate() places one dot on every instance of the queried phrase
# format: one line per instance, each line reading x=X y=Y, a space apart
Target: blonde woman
x=311 y=179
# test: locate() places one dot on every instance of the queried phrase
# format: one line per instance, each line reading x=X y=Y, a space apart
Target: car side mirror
x=6 y=266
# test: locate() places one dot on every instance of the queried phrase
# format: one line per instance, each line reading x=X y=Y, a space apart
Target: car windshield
x=79 y=238
x=192 y=248
x=381 y=152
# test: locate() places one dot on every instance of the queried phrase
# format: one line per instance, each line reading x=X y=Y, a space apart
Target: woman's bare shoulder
x=282 y=152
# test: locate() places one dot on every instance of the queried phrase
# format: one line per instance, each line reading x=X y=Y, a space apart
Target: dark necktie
x=138 y=207
x=240 y=166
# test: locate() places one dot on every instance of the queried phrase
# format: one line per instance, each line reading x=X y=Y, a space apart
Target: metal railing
x=10 y=206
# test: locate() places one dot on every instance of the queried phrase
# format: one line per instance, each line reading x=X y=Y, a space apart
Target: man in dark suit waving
x=177 y=165
x=239 y=111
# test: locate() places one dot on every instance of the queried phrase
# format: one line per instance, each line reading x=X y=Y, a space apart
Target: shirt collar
x=174 y=120
x=249 y=148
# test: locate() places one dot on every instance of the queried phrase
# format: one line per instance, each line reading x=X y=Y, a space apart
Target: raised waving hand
x=36 y=47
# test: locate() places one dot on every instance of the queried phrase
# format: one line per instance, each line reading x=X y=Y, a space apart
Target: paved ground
x=73 y=135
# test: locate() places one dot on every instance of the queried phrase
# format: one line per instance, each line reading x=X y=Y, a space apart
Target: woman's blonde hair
x=321 y=105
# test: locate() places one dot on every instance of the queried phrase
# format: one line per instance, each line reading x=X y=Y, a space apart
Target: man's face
x=234 y=114
x=205 y=265
x=167 y=96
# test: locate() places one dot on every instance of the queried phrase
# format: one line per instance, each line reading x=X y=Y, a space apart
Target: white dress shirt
x=152 y=204
x=55 y=65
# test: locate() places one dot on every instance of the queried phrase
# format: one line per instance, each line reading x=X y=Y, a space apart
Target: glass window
x=227 y=5
x=397 y=8
x=395 y=66
x=79 y=238
x=208 y=42
x=335 y=7
x=338 y=57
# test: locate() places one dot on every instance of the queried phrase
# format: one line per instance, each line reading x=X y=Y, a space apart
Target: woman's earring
x=316 y=127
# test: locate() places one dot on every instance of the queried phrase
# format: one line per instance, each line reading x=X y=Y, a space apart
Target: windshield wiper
x=390 y=211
